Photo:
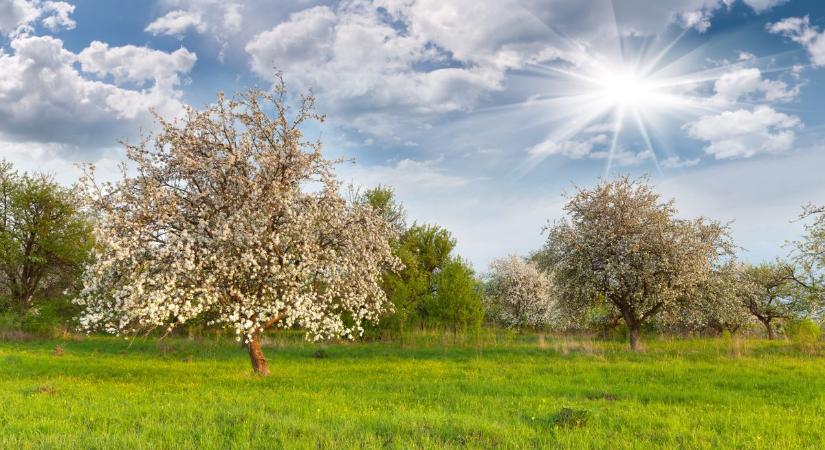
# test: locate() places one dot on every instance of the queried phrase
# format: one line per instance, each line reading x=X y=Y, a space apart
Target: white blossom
x=234 y=216
x=519 y=294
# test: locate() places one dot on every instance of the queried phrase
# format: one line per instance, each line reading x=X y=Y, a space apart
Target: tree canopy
x=45 y=238
x=233 y=215
x=620 y=242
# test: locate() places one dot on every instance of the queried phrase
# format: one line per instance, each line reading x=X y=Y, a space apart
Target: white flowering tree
x=519 y=294
x=621 y=244
x=772 y=292
x=715 y=305
x=233 y=216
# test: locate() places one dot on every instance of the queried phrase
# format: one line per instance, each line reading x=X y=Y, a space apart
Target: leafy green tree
x=434 y=287
x=424 y=250
x=382 y=199
x=45 y=239
x=457 y=300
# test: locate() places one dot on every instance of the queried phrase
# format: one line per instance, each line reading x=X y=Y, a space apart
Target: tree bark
x=256 y=356
x=634 y=328
x=635 y=333
x=769 y=328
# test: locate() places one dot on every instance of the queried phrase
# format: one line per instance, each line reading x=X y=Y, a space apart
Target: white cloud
x=593 y=147
x=574 y=149
x=387 y=67
x=622 y=157
x=136 y=64
x=58 y=16
x=17 y=16
x=799 y=29
x=218 y=18
x=699 y=19
x=740 y=83
x=45 y=98
x=677 y=162
x=177 y=22
x=743 y=133
x=761 y=6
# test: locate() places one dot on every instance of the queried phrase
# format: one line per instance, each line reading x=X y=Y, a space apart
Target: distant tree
x=810 y=257
x=770 y=291
x=715 y=305
x=519 y=295
x=457 y=300
x=620 y=243
x=233 y=215
x=382 y=199
x=45 y=239
x=423 y=250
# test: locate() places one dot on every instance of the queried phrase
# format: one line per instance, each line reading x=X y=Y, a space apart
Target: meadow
x=497 y=391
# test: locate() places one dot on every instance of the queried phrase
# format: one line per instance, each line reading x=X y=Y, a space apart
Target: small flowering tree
x=233 y=216
x=772 y=291
x=519 y=294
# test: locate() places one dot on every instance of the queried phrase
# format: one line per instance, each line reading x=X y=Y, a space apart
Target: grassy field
x=104 y=393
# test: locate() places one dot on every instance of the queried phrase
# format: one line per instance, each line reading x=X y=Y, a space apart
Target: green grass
x=103 y=393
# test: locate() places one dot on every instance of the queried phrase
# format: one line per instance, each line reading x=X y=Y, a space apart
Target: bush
x=49 y=318
x=803 y=331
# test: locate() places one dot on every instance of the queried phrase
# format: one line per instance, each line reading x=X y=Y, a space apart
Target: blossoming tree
x=233 y=216
x=622 y=244
x=519 y=294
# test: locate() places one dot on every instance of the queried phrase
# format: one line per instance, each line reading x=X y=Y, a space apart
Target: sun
x=626 y=89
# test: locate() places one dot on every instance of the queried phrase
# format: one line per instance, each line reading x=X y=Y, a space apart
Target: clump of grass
x=570 y=418
x=44 y=390
x=601 y=396
x=567 y=345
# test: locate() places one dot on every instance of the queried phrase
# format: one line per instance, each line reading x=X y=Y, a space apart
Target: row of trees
x=230 y=217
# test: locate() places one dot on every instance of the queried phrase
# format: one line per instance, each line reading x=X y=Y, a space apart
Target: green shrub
x=803 y=331
x=49 y=317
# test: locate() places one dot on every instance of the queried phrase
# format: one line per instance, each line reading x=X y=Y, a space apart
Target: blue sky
x=479 y=113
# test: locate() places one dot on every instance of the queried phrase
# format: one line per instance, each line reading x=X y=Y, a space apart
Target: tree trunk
x=769 y=328
x=634 y=329
x=256 y=356
x=635 y=333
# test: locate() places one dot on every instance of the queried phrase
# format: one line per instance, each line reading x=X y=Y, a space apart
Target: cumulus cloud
x=740 y=83
x=44 y=97
x=698 y=19
x=799 y=29
x=677 y=162
x=18 y=16
x=58 y=16
x=216 y=17
x=386 y=62
x=177 y=22
x=134 y=64
x=220 y=20
x=594 y=147
x=745 y=133
x=571 y=148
